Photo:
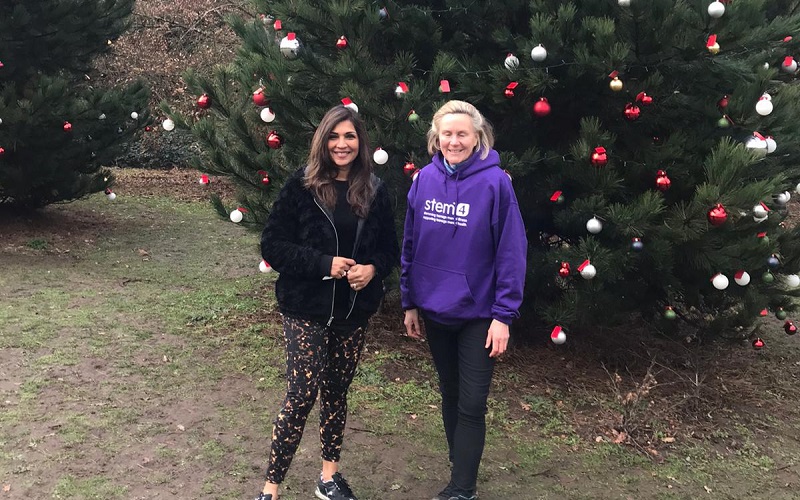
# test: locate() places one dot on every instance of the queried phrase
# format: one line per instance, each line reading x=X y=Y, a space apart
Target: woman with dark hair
x=463 y=272
x=330 y=235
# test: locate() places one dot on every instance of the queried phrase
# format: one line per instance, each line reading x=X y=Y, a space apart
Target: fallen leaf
x=708 y=490
x=395 y=487
x=620 y=437
x=6 y=487
x=413 y=416
x=525 y=406
x=181 y=428
x=668 y=439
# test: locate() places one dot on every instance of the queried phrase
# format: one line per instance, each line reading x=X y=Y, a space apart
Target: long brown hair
x=321 y=170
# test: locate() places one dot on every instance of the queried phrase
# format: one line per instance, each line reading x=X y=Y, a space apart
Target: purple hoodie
x=464 y=243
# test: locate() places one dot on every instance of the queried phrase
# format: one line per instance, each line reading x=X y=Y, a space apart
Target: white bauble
x=759 y=211
x=168 y=125
x=757 y=145
x=236 y=216
x=102 y=116
x=771 y=145
x=789 y=68
x=264 y=267
x=511 y=62
x=559 y=338
x=792 y=280
x=760 y=219
x=588 y=272
x=720 y=281
x=764 y=107
x=352 y=106
x=782 y=198
x=624 y=3
x=380 y=156
x=134 y=115
x=742 y=278
x=594 y=225
x=267 y=115
x=797 y=189
x=112 y=196
x=290 y=46
x=716 y=9
x=538 y=53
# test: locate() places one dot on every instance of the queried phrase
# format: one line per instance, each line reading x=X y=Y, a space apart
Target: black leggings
x=465 y=374
x=319 y=358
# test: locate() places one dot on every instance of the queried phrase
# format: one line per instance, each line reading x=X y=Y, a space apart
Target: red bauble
x=262 y=174
x=204 y=101
x=717 y=215
x=2 y=151
x=632 y=112
x=147 y=128
x=644 y=99
x=409 y=168
x=789 y=328
x=564 y=271
x=542 y=107
x=67 y=127
x=341 y=43
x=723 y=103
x=599 y=157
x=274 y=140
x=662 y=181
x=259 y=98
x=758 y=344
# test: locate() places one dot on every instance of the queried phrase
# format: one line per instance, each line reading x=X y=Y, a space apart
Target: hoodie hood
x=471 y=165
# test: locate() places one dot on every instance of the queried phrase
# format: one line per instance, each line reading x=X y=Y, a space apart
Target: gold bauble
x=714 y=49
x=615 y=84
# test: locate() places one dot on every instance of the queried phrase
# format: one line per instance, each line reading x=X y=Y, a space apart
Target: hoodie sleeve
x=279 y=245
x=407 y=252
x=511 y=255
x=387 y=254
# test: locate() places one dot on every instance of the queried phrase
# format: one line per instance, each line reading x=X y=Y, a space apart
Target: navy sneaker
x=263 y=496
x=335 y=489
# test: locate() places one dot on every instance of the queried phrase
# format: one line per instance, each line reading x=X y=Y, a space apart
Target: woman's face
x=343 y=144
x=457 y=137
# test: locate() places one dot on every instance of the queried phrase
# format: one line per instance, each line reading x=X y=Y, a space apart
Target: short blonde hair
x=482 y=126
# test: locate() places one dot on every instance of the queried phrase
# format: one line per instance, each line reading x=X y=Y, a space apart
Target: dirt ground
x=140 y=358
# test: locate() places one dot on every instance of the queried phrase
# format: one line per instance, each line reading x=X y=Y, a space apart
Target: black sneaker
x=445 y=494
x=335 y=489
x=264 y=496
x=462 y=497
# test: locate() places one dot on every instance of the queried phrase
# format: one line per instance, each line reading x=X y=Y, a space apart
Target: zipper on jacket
x=336 y=234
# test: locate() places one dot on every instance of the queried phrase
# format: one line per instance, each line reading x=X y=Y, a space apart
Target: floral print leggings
x=319 y=358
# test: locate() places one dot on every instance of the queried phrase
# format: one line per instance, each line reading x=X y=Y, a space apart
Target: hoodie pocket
x=440 y=290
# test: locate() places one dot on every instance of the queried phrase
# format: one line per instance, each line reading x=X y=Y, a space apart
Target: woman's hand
x=340 y=267
x=360 y=275
x=497 y=338
x=411 y=320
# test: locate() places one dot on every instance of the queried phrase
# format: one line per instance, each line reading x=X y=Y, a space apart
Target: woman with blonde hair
x=330 y=235
x=463 y=272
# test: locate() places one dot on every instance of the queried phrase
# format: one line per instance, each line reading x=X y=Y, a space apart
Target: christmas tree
x=651 y=142
x=58 y=128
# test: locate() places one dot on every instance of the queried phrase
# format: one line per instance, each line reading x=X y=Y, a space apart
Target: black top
x=299 y=242
x=346 y=224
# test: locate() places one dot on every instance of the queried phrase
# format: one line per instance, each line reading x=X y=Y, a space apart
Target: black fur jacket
x=299 y=242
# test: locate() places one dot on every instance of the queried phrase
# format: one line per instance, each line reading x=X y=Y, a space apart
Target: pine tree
x=58 y=129
x=625 y=111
